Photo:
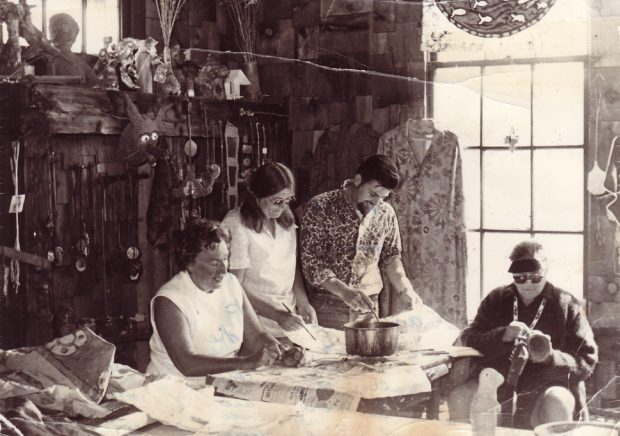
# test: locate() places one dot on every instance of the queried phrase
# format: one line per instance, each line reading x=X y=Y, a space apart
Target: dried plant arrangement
x=244 y=16
x=168 y=11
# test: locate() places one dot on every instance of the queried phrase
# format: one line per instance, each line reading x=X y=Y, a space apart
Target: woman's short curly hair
x=195 y=237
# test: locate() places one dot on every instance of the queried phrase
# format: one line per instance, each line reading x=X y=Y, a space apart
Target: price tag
x=17 y=203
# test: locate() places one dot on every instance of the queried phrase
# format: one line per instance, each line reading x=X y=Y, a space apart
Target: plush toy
x=139 y=141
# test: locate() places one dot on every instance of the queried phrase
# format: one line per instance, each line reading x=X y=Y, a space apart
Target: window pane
x=506 y=104
x=471 y=187
x=36 y=13
x=473 y=274
x=456 y=104
x=496 y=258
x=558 y=190
x=71 y=7
x=558 y=104
x=102 y=19
x=565 y=255
x=506 y=189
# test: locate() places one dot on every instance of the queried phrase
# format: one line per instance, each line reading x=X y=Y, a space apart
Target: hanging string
x=425 y=84
x=14 y=265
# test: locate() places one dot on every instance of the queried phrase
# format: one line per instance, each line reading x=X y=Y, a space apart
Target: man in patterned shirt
x=349 y=237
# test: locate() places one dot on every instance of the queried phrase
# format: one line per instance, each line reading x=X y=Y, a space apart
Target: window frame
x=480 y=232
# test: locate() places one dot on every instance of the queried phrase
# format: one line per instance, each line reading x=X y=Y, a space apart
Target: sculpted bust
x=63 y=33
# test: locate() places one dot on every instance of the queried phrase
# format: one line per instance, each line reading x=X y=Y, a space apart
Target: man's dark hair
x=380 y=168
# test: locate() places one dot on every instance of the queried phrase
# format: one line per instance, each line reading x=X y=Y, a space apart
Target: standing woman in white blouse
x=263 y=252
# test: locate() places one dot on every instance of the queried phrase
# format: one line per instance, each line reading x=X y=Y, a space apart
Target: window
x=535 y=190
x=96 y=18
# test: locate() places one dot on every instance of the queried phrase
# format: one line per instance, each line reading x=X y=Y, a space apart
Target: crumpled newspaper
x=172 y=402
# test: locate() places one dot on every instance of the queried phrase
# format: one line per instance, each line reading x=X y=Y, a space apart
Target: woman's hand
x=271 y=344
x=289 y=321
x=515 y=330
x=307 y=312
x=263 y=357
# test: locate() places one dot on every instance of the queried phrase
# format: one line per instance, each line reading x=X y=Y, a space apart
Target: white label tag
x=17 y=203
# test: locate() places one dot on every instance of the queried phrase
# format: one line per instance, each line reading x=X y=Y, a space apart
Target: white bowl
x=576 y=428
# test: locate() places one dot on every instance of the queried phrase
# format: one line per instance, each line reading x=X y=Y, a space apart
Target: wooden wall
x=338 y=65
x=357 y=61
x=603 y=244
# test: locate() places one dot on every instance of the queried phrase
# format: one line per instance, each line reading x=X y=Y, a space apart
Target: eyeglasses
x=520 y=279
x=282 y=201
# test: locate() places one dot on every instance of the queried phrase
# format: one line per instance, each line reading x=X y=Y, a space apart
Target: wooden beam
x=22 y=256
x=77 y=110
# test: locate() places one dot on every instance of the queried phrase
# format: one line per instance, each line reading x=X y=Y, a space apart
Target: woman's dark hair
x=195 y=237
x=380 y=168
x=265 y=181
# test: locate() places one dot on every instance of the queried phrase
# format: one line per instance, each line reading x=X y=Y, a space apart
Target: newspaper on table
x=336 y=382
x=332 y=379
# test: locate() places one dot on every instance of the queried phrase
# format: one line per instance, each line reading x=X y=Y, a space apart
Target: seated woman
x=263 y=253
x=201 y=318
x=551 y=387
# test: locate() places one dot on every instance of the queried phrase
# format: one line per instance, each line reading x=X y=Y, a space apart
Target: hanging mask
x=139 y=141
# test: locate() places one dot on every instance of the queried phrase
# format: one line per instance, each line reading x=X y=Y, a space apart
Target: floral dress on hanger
x=429 y=206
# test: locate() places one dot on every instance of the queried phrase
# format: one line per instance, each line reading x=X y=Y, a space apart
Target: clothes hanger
x=423 y=129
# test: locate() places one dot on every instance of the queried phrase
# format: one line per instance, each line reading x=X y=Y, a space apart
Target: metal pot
x=371 y=338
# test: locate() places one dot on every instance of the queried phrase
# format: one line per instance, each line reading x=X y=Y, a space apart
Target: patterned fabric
x=574 y=351
x=337 y=242
x=69 y=374
x=494 y=18
x=429 y=205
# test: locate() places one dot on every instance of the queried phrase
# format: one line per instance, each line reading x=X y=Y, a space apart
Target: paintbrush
x=305 y=328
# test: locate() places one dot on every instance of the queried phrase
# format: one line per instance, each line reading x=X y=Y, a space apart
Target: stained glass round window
x=494 y=18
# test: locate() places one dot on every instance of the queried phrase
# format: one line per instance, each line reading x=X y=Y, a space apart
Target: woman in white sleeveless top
x=202 y=318
x=263 y=251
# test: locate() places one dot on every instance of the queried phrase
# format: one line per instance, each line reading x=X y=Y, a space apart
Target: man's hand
x=408 y=290
x=307 y=312
x=515 y=330
x=289 y=321
x=356 y=300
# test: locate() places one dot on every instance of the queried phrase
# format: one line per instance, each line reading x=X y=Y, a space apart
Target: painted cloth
x=574 y=351
x=429 y=204
x=215 y=321
x=337 y=242
x=494 y=18
x=70 y=374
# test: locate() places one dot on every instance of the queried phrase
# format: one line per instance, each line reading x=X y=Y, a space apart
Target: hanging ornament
x=494 y=18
